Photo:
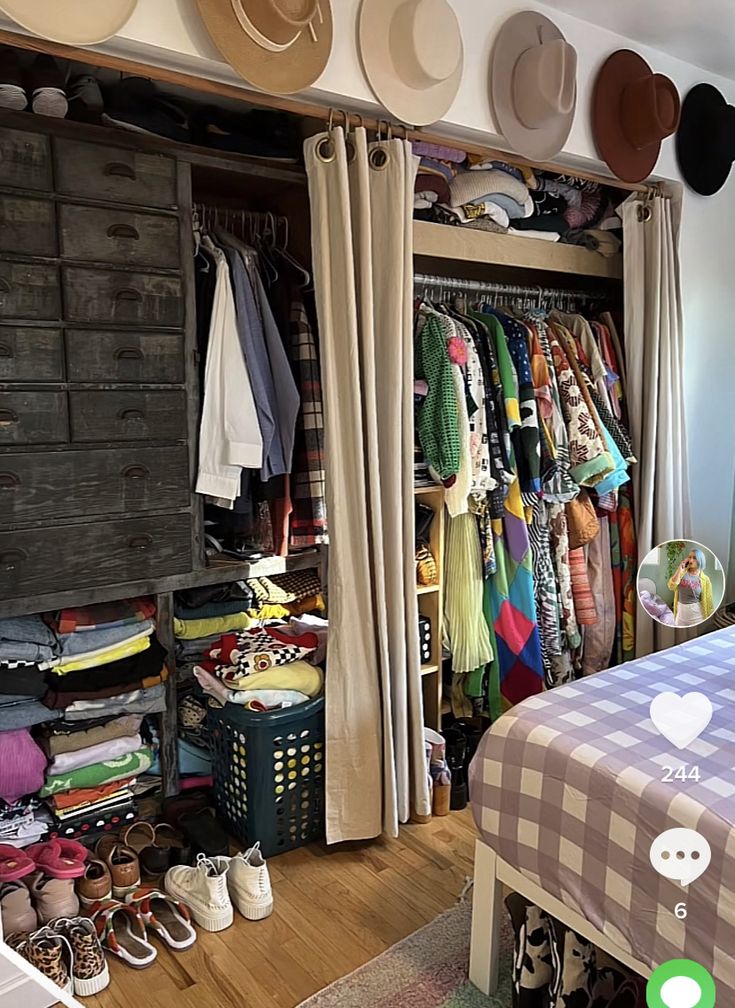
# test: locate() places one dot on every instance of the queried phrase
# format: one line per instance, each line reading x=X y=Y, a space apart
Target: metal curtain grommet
x=378 y=158
x=325 y=150
x=644 y=213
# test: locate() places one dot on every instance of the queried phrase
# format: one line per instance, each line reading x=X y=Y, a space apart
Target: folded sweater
x=104 y=772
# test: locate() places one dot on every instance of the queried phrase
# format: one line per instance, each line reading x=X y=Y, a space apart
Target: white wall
x=170 y=33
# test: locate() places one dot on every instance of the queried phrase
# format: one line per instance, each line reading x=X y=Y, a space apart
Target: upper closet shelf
x=441 y=241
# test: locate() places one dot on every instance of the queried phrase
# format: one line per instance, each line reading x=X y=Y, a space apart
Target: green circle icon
x=681 y=983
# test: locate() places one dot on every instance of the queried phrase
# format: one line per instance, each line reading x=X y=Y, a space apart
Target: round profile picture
x=681 y=583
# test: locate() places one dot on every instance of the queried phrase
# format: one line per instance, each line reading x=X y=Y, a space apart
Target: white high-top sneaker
x=249 y=883
x=204 y=890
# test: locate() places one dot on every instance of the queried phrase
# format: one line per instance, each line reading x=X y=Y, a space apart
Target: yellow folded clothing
x=191 y=629
x=269 y=610
x=104 y=656
x=298 y=675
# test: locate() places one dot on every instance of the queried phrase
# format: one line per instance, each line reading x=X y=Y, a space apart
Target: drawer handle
x=5 y=350
x=140 y=542
x=11 y=558
x=122 y=231
x=9 y=481
x=128 y=353
x=120 y=170
x=134 y=472
x=128 y=294
x=7 y=417
x=131 y=414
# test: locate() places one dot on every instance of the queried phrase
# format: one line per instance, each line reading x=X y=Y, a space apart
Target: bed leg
x=487 y=902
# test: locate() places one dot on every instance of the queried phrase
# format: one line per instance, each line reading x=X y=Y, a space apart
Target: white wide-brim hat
x=533 y=85
x=413 y=57
x=71 y=22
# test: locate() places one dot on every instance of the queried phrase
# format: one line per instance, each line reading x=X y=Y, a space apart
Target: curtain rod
x=480 y=287
x=286 y=104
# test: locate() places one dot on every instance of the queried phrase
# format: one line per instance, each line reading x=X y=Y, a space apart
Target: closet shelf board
x=441 y=241
x=427 y=589
x=429 y=669
x=428 y=489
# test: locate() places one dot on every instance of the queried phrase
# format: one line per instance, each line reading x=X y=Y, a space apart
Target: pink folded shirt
x=22 y=765
x=102 y=752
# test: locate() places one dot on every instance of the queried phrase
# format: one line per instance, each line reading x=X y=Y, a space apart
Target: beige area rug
x=426 y=970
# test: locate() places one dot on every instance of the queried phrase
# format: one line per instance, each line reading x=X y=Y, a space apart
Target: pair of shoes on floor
x=68 y=952
x=41 y=86
x=123 y=928
x=37 y=885
x=111 y=874
x=214 y=885
x=157 y=847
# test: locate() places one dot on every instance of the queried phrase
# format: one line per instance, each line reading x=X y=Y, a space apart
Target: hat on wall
x=72 y=22
x=633 y=111
x=413 y=55
x=280 y=46
x=705 y=143
x=533 y=85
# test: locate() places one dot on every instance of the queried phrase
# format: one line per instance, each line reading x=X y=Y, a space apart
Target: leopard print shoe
x=90 y=970
x=51 y=955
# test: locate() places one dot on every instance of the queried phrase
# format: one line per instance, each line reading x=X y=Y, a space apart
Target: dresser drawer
x=81 y=556
x=29 y=291
x=123 y=356
x=48 y=486
x=31 y=355
x=120 y=296
x=97 y=171
x=96 y=234
x=27 y=226
x=33 y=418
x=25 y=160
x=140 y=415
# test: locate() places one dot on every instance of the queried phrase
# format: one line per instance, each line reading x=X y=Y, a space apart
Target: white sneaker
x=249 y=883
x=204 y=890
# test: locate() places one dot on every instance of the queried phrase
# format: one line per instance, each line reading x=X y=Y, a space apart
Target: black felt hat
x=705 y=143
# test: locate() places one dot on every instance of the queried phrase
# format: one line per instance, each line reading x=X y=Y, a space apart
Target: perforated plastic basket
x=269 y=774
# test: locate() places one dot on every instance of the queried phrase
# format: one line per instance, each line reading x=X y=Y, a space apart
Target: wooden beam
x=284 y=103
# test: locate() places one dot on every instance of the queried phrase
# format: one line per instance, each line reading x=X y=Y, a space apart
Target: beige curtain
x=361 y=207
x=654 y=345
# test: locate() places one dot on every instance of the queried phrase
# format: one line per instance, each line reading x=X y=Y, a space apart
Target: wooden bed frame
x=492 y=875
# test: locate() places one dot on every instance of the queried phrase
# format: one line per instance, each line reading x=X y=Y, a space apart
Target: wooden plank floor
x=335 y=909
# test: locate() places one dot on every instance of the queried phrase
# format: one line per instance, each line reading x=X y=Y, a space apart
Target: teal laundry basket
x=268 y=773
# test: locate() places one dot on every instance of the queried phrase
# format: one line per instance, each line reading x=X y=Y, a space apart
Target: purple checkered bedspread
x=568 y=788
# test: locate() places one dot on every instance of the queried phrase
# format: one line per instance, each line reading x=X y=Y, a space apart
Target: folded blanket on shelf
x=22 y=765
x=60 y=699
x=56 y=743
x=27 y=638
x=27 y=681
x=113 y=748
x=105 y=614
x=141 y=701
x=25 y=714
x=104 y=772
x=471 y=185
x=122 y=796
x=193 y=629
x=213 y=610
x=128 y=669
x=102 y=639
x=87 y=796
x=104 y=656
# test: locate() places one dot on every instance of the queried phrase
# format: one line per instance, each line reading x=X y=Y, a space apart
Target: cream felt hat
x=533 y=83
x=280 y=46
x=71 y=22
x=413 y=55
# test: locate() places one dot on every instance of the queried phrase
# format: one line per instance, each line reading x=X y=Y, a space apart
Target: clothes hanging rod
x=481 y=287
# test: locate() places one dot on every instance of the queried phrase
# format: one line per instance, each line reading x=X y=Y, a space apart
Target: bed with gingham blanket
x=568 y=788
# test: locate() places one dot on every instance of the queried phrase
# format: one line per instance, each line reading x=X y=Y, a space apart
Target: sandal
x=139 y=836
x=121 y=930
x=61 y=859
x=14 y=863
x=168 y=848
x=168 y=918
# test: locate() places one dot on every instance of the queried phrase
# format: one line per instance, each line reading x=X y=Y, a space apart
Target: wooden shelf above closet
x=440 y=241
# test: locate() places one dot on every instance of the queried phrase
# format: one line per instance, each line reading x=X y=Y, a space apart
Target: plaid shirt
x=309 y=515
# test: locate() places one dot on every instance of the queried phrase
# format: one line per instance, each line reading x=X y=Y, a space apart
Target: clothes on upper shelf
x=262 y=429
x=522 y=419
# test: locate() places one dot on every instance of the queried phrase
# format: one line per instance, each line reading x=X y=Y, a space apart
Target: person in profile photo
x=692 y=591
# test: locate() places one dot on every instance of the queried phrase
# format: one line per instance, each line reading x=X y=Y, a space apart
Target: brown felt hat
x=633 y=111
x=280 y=46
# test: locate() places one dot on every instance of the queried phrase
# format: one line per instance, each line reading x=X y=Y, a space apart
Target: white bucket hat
x=413 y=56
x=71 y=22
x=533 y=84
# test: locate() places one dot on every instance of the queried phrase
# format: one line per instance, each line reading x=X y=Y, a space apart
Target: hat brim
x=701 y=168
x=518 y=34
x=625 y=161
x=70 y=22
x=416 y=107
x=292 y=70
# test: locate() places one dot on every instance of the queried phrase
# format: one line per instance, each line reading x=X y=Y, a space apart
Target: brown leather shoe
x=125 y=870
x=96 y=883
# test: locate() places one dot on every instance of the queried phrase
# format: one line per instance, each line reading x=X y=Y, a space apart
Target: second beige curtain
x=361 y=198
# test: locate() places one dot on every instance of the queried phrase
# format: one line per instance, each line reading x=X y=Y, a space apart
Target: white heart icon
x=681 y=719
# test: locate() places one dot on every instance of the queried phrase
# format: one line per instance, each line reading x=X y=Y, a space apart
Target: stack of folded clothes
x=266 y=668
x=490 y=196
x=437 y=167
x=110 y=673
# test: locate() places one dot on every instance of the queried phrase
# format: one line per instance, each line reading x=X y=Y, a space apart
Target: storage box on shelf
x=430 y=605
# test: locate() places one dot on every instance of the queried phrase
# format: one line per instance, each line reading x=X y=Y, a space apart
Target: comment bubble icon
x=682 y=855
x=681 y=983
